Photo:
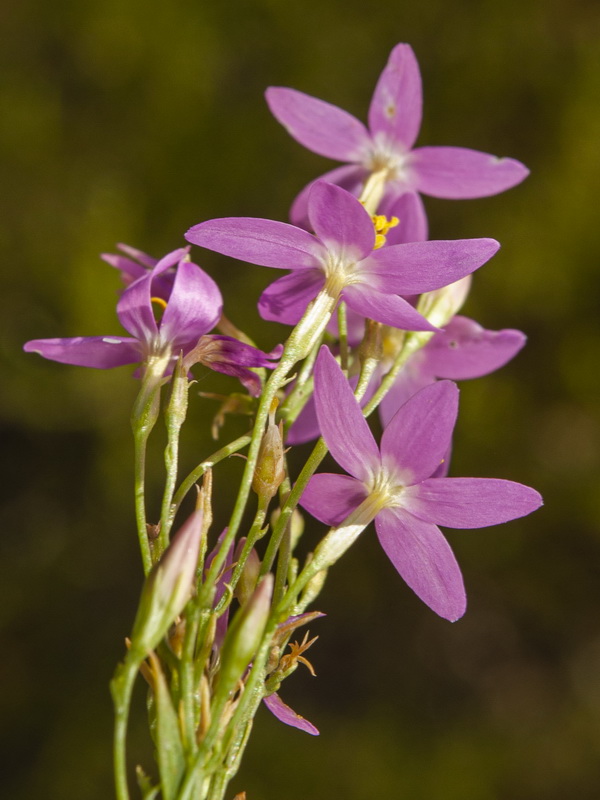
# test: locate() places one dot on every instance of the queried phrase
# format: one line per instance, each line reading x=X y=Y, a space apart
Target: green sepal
x=169 y=747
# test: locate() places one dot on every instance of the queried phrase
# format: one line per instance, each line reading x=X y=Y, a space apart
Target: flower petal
x=259 y=241
x=331 y=498
x=102 y=352
x=342 y=424
x=457 y=173
x=418 y=267
x=389 y=309
x=287 y=715
x=321 y=127
x=340 y=221
x=134 y=309
x=413 y=219
x=285 y=300
x=410 y=380
x=194 y=306
x=423 y=557
x=350 y=177
x=466 y=350
x=397 y=102
x=417 y=438
x=470 y=502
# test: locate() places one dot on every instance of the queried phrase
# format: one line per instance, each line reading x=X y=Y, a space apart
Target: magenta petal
x=331 y=498
x=287 y=715
x=417 y=438
x=342 y=424
x=102 y=352
x=285 y=300
x=410 y=380
x=413 y=225
x=458 y=173
x=389 y=309
x=306 y=425
x=466 y=350
x=397 y=103
x=259 y=241
x=194 y=307
x=418 y=267
x=340 y=221
x=470 y=502
x=350 y=177
x=423 y=557
x=321 y=127
x=134 y=309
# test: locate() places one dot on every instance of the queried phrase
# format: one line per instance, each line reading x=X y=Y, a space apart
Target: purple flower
x=386 y=146
x=132 y=265
x=393 y=486
x=231 y=357
x=463 y=350
x=190 y=308
x=342 y=259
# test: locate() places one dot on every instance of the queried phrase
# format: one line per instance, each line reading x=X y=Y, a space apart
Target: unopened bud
x=250 y=572
x=439 y=306
x=244 y=635
x=313 y=587
x=270 y=468
x=168 y=586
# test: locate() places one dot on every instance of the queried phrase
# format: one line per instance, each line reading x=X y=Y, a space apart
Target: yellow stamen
x=159 y=302
x=382 y=227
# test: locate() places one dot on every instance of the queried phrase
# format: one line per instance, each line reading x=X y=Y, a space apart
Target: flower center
x=386 y=156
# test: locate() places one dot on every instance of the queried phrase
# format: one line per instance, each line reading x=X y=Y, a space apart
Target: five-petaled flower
x=342 y=260
x=385 y=148
x=191 y=305
x=394 y=487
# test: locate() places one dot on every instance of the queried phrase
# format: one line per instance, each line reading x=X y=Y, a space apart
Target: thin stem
x=198 y=472
x=187 y=673
x=343 y=336
x=121 y=689
x=175 y=416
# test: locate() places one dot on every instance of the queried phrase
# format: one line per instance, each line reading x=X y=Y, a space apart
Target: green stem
x=175 y=416
x=121 y=688
x=343 y=336
x=198 y=472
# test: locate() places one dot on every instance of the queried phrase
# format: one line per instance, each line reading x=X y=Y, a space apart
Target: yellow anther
x=382 y=227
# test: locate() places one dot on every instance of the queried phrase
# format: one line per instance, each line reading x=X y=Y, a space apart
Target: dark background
x=123 y=120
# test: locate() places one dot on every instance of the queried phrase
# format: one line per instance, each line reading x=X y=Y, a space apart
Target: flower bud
x=439 y=306
x=270 y=469
x=244 y=635
x=167 y=587
x=249 y=576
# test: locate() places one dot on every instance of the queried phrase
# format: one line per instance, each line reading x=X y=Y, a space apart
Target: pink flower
x=387 y=144
x=397 y=487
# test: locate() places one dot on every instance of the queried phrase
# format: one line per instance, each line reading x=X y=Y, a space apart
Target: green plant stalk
x=143 y=419
x=198 y=472
x=343 y=336
x=301 y=341
x=121 y=688
x=175 y=416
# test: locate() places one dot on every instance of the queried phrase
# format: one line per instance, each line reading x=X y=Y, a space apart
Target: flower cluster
x=357 y=244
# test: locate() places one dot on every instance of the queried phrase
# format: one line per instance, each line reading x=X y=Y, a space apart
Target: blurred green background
x=129 y=121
